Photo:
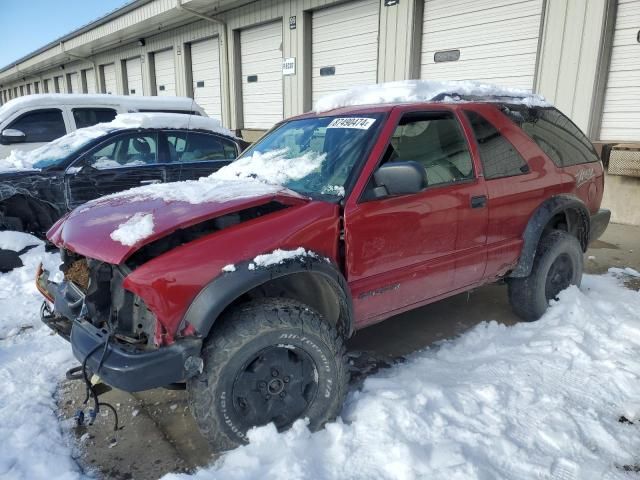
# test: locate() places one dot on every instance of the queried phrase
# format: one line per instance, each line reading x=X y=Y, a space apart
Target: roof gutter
x=222 y=39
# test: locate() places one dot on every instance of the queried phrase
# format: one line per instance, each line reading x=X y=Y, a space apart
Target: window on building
x=40 y=125
x=555 y=134
x=499 y=158
x=196 y=147
x=436 y=141
x=86 y=117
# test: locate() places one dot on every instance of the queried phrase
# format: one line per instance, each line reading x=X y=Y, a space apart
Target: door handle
x=150 y=182
x=479 y=201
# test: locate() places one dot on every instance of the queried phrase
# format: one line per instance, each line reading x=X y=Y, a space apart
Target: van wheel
x=558 y=264
x=269 y=360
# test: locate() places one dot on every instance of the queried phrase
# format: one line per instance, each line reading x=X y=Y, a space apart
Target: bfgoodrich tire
x=558 y=264
x=269 y=360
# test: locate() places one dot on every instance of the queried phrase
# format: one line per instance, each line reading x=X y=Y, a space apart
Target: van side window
x=555 y=134
x=499 y=158
x=40 y=125
x=87 y=117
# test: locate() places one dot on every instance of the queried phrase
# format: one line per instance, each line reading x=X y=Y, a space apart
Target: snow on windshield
x=409 y=91
x=64 y=146
x=276 y=167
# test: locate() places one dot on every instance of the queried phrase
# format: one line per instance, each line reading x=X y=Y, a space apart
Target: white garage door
x=74 y=83
x=165 y=73
x=109 y=75
x=621 y=112
x=496 y=40
x=344 y=47
x=261 y=62
x=134 y=76
x=90 y=78
x=205 y=71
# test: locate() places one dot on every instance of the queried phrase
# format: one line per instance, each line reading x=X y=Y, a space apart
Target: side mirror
x=12 y=135
x=399 y=178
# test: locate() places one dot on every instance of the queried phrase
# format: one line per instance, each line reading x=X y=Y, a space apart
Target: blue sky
x=26 y=25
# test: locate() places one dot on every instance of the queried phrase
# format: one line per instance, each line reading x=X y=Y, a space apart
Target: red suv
x=246 y=284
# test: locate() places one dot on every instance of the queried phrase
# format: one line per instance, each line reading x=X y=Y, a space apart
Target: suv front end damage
x=110 y=329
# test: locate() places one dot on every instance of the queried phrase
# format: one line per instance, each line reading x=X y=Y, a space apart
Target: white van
x=33 y=120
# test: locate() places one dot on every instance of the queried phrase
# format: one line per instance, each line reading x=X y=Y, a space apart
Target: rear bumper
x=599 y=223
x=130 y=369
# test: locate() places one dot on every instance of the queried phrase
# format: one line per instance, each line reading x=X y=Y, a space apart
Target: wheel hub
x=559 y=277
x=275 y=385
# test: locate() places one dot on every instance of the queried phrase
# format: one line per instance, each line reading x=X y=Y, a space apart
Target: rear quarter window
x=562 y=141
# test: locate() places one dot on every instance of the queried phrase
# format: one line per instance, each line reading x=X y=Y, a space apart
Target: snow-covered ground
x=539 y=400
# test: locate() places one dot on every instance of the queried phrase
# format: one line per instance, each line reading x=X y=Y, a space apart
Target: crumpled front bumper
x=120 y=365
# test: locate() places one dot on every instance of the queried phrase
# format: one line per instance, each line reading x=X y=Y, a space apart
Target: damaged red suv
x=246 y=284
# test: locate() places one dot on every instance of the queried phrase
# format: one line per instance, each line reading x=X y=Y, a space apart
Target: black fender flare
x=539 y=220
x=227 y=287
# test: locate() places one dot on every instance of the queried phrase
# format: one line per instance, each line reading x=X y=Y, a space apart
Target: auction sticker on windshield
x=352 y=122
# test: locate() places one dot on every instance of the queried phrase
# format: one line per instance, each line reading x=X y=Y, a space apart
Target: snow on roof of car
x=414 y=91
x=63 y=146
x=128 y=101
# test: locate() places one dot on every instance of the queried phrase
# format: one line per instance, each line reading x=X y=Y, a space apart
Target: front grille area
x=78 y=273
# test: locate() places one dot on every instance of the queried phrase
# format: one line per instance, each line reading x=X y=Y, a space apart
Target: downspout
x=222 y=35
x=86 y=59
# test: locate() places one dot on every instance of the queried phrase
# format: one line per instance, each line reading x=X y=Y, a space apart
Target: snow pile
x=274 y=167
x=536 y=400
x=278 y=257
x=66 y=145
x=229 y=268
x=409 y=91
x=32 y=361
x=138 y=227
x=17 y=241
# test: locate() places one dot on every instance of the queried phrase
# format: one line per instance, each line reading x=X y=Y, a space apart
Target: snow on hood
x=63 y=146
x=409 y=91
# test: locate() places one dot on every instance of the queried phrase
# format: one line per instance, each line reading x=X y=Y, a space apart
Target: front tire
x=558 y=263
x=269 y=360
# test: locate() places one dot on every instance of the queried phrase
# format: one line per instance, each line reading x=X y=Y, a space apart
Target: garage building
x=252 y=63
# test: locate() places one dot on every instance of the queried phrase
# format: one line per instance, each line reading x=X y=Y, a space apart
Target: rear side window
x=196 y=147
x=40 y=125
x=555 y=134
x=87 y=117
x=499 y=158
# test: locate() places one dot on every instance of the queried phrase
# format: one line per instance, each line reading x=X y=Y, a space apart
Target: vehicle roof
x=126 y=101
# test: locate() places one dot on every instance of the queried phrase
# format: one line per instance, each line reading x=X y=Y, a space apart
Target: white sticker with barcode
x=352 y=122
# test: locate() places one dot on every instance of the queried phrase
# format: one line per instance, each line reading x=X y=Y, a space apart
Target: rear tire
x=269 y=360
x=558 y=263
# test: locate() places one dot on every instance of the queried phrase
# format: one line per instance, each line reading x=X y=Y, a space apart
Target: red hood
x=87 y=230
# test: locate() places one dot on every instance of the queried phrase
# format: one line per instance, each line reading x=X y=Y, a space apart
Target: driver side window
x=436 y=142
x=130 y=150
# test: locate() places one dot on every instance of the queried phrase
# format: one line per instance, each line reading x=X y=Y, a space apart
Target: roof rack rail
x=470 y=98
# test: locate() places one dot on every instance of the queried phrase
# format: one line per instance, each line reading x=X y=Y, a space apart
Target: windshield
x=313 y=156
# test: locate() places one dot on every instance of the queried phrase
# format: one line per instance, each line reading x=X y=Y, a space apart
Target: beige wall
x=570 y=56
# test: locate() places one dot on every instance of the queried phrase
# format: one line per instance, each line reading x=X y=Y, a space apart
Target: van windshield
x=312 y=156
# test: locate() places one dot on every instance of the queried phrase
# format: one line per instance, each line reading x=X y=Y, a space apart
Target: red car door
x=402 y=251
x=518 y=179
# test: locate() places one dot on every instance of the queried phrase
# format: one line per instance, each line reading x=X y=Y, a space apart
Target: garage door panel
x=345 y=37
x=497 y=40
x=109 y=74
x=478 y=35
x=133 y=67
x=90 y=77
x=74 y=82
x=165 y=73
x=205 y=72
x=621 y=108
x=261 y=57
